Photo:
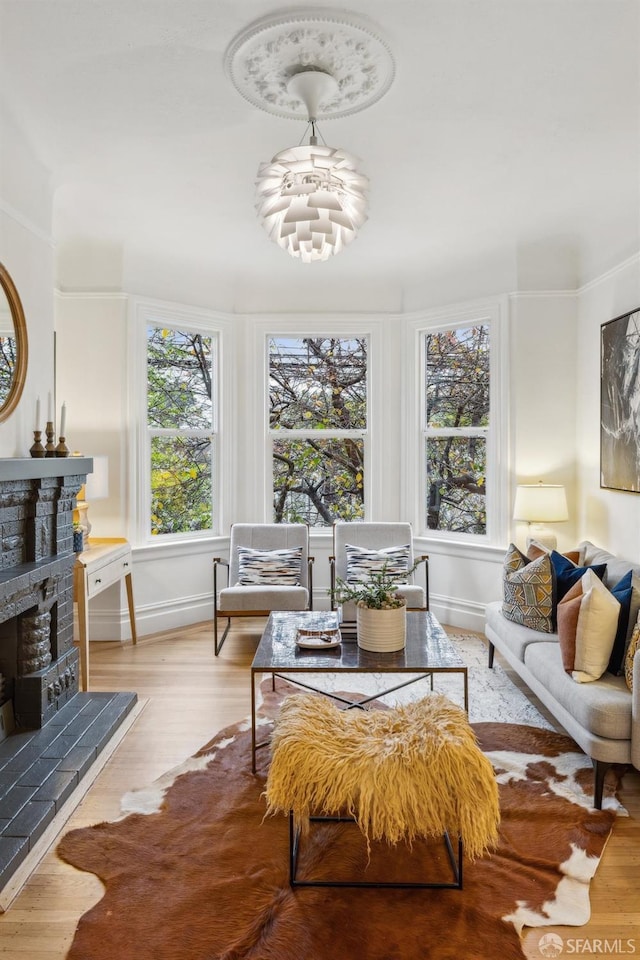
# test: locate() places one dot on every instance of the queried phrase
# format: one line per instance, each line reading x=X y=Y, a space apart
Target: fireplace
x=50 y=733
x=38 y=659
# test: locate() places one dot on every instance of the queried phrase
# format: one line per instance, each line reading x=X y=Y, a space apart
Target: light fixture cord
x=315 y=131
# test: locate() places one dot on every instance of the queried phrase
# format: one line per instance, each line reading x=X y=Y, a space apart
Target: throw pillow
x=623 y=591
x=269 y=567
x=536 y=549
x=634 y=646
x=362 y=562
x=587 y=623
x=567 y=573
x=528 y=590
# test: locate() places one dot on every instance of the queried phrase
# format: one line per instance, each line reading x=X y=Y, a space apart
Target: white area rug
x=492 y=695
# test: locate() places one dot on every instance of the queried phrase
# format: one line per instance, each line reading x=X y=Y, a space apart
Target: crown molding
x=26 y=223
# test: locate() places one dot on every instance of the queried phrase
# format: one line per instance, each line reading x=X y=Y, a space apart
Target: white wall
x=609 y=518
x=26 y=250
x=543 y=396
x=173 y=583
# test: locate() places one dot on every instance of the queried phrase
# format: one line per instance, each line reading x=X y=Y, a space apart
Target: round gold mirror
x=13 y=346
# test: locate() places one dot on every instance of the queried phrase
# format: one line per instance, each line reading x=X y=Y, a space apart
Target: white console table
x=103 y=562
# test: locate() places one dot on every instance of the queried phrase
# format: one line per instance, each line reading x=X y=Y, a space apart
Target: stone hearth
x=50 y=734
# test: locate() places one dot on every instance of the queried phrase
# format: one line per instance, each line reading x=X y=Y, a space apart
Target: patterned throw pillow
x=275 y=567
x=528 y=590
x=634 y=646
x=362 y=562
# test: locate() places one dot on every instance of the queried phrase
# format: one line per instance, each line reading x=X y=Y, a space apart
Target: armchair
x=269 y=569
x=376 y=537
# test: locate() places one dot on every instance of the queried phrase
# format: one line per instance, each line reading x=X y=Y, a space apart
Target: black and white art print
x=620 y=403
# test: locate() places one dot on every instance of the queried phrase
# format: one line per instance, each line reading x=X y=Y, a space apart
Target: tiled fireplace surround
x=59 y=732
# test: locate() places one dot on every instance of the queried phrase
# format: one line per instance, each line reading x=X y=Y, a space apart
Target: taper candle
x=63 y=419
x=50 y=409
x=37 y=426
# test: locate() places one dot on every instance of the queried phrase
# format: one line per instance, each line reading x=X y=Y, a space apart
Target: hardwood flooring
x=189 y=696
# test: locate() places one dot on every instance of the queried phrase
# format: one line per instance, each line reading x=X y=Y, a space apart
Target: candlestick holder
x=62 y=450
x=37 y=449
x=50 y=447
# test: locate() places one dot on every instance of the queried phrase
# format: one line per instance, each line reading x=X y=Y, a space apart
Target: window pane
x=180 y=485
x=8 y=359
x=317 y=383
x=457 y=387
x=318 y=481
x=178 y=379
x=456 y=487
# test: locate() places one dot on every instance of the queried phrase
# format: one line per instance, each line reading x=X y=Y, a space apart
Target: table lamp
x=96 y=488
x=539 y=504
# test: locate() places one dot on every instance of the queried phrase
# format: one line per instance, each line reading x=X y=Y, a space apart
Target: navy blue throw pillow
x=567 y=573
x=622 y=592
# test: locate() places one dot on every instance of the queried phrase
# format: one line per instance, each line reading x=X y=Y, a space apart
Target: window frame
x=300 y=433
x=494 y=313
x=165 y=315
x=269 y=326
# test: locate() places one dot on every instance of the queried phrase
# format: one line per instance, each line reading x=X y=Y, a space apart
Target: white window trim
x=143 y=312
x=495 y=312
x=316 y=325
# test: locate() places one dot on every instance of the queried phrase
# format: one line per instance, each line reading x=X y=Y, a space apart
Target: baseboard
x=151 y=618
x=455 y=612
x=16 y=882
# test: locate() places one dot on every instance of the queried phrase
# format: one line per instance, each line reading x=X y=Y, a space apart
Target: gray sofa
x=602 y=716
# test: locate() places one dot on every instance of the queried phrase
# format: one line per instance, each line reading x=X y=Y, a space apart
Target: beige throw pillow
x=587 y=624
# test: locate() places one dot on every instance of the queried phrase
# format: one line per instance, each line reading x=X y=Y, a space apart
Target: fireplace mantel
x=26 y=468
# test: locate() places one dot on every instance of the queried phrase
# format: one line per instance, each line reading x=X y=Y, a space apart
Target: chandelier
x=311 y=198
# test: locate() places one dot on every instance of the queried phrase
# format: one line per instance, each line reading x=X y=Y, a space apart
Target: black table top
x=427 y=648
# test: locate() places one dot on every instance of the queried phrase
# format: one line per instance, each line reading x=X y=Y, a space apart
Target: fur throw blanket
x=411 y=771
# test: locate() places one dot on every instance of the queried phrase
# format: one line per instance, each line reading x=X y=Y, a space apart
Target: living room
x=503 y=163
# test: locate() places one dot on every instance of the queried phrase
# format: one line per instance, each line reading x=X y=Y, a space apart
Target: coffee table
x=428 y=651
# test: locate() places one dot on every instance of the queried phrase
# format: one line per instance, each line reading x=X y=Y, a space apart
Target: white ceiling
x=506 y=153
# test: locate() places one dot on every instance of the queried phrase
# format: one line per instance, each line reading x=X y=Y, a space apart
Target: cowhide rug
x=201 y=875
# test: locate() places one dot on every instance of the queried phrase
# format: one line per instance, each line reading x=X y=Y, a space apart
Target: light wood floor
x=190 y=695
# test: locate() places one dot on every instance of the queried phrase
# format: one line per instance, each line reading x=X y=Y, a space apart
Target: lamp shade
x=540 y=503
x=311 y=200
x=97 y=485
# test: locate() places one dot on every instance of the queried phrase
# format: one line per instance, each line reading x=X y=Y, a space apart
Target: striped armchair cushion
x=362 y=562
x=276 y=567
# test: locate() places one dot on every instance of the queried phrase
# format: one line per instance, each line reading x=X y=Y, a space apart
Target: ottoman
x=409 y=772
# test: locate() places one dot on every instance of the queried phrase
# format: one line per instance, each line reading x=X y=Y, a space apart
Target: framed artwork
x=620 y=403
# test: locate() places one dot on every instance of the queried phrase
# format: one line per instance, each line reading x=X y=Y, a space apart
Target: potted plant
x=380 y=610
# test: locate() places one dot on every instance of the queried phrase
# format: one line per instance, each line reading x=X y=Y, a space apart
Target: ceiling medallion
x=261 y=60
x=312 y=65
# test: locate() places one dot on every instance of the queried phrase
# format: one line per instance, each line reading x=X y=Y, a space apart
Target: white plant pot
x=381 y=631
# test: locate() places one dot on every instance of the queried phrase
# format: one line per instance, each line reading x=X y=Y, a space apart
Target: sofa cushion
x=514 y=636
x=567 y=573
x=276 y=567
x=528 y=590
x=587 y=622
x=603 y=707
x=361 y=562
x=616 y=566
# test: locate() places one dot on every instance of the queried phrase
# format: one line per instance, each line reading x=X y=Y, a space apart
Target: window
x=180 y=430
x=318 y=428
x=457 y=424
